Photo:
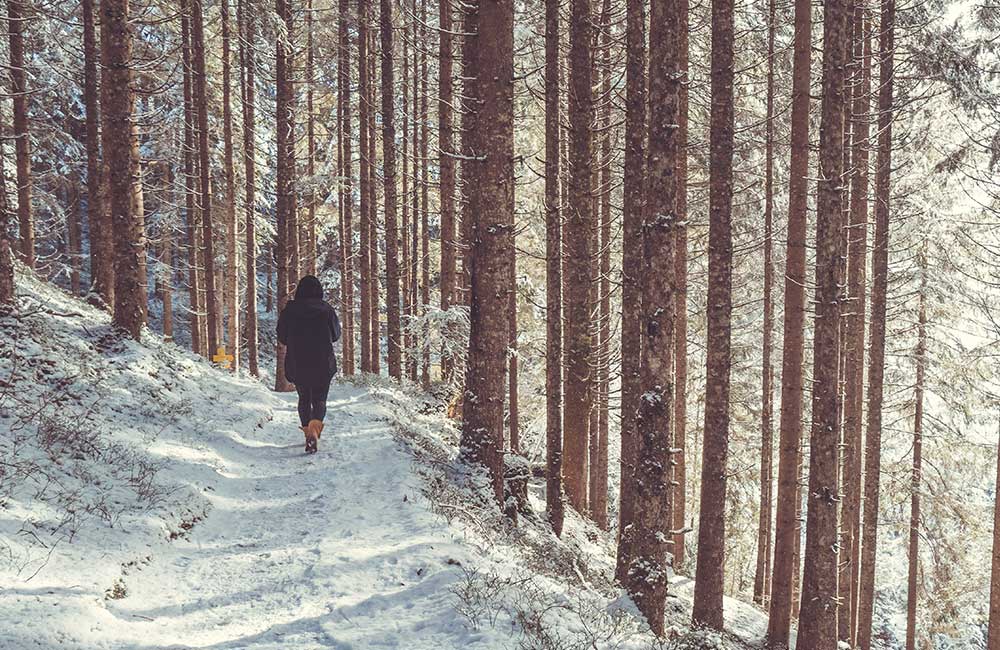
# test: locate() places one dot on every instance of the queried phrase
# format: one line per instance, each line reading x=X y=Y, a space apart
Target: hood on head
x=309 y=287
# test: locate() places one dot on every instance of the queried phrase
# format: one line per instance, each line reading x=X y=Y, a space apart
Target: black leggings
x=312 y=402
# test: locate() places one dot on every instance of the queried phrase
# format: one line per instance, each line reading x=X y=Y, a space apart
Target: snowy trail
x=332 y=550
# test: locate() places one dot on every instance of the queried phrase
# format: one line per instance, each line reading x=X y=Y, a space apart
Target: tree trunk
x=130 y=283
x=139 y=207
x=425 y=258
x=855 y=331
x=762 y=574
x=285 y=240
x=993 y=633
x=364 y=107
x=199 y=344
x=101 y=256
x=310 y=225
x=599 y=467
x=393 y=333
x=413 y=234
x=489 y=29
x=406 y=276
x=347 y=189
x=632 y=265
x=16 y=17
x=446 y=168
x=918 y=426
x=6 y=246
x=373 y=239
x=412 y=200
x=74 y=232
x=465 y=128
x=464 y=228
x=200 y=102
x=232 y=267
x=578 y=236
x=249 y=59
x=679 y=502
x=786 y=528
x=647 y=538
x=818 y=611
x=553 y=276
x=167 y=280
x=876 y=333
x=269 y=291
x=709 y=576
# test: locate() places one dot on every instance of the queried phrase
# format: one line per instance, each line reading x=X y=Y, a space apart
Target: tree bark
x=489 y=29
x=285 y=240
x=578 y=237
x=199 y=343
x=269 y=275
x=818 y=611
x=412 y=235
x=311 y=253
x=364 y=108
x=913 y=553
x=139 y=206
x=786 y=529
x=166 y=279
x=101 y=256
x=232 y=266
x=553 y=277
x=599 y=467
x=392 y=298
x=248 y=53
x=632 y=265
x=762 y=574
x=6 y=246
x=993 y=631
x=709 y=576
x=74 y=232
x=446 y=168
x=373 y=252
x=130 y=282
x=347 y=189
x=425 y=258
x=679 y=503
x=16 y=17
x=855 y=331
x=373 y=239
x=647 y=539
x=406 y=276
x=465 y=128
x=200 y=102
x=876 y=333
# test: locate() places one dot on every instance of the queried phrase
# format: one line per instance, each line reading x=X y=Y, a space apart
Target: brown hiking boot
x=317 y=426
x=312 y=435
x=310 y=439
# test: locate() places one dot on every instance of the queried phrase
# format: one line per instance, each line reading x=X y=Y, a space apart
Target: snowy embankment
x=150 y=501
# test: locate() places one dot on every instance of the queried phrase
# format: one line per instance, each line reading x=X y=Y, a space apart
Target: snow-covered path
x=333 y=550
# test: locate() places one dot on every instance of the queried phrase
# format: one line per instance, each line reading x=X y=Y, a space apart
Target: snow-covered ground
x=335 y=550
x=148 y=500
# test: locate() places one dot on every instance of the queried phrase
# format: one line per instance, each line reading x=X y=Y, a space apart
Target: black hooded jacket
x=308 y=327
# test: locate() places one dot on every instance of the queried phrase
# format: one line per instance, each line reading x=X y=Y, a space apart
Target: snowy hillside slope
x=148 y=500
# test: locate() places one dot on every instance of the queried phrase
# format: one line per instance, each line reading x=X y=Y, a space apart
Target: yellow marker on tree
x=222 y=357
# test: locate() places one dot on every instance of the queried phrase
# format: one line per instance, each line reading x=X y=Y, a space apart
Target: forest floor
x=333 y=550
x=150 y=501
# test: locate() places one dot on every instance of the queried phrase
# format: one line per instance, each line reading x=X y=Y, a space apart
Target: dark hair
x=309 y=287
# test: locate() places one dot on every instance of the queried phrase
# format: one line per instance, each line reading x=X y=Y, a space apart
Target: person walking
x=308 y=327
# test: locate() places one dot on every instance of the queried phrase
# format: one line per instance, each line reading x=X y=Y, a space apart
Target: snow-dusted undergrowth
x=558 y=593
x=148 y=500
